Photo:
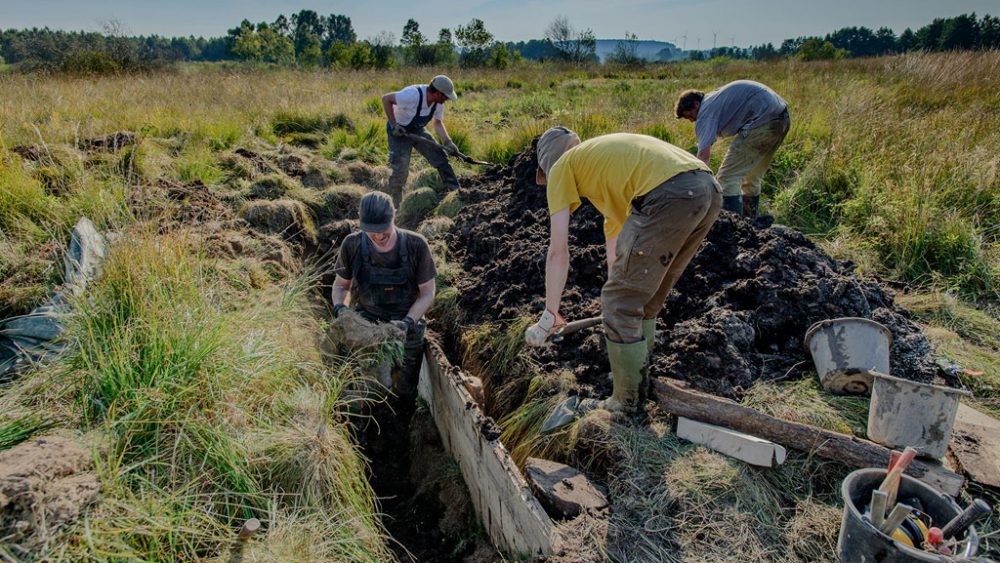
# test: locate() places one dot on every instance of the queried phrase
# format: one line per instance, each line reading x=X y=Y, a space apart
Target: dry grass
x=213 y=402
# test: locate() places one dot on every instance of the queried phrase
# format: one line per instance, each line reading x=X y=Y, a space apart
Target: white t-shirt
x=406 y=104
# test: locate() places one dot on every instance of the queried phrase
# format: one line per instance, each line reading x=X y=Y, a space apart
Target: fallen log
x=676 y=398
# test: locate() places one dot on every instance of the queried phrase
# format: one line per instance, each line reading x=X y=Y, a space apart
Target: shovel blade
x=565 y=414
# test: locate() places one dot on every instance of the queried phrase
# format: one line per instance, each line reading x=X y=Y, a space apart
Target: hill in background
x=649 y=50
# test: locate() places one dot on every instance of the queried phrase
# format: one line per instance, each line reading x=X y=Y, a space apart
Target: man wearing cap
x=757 y=117
x=408 y=111
x=389 y=274
x=658 y=203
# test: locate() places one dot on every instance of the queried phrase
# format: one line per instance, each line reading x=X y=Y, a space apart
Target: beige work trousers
x=657 y=242
x=749 y=155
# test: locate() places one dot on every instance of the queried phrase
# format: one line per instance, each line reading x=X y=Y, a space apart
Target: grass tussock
x=858 y=162
x=211 y=412
x=679 y=501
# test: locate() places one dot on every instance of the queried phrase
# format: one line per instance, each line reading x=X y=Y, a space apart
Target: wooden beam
x=510 y=513
x=678 y=399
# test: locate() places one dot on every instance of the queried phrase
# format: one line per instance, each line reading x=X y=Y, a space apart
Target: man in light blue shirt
x=757 y=117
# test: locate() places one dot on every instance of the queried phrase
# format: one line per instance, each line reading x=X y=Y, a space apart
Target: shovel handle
x=429 y=142
x=575 y=326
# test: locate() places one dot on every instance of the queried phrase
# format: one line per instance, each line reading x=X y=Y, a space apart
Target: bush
x=90 y=62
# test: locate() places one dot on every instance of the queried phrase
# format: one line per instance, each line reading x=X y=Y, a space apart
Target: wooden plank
x=512 y=517
x=674 y=397
x=975 y=442
x=744 y=447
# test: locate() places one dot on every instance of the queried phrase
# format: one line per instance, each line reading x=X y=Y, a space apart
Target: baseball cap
x=443 y=84
x=551 y=145
x=377 y=212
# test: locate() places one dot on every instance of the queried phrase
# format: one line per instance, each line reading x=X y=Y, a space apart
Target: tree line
x=964 y=32
x=309 y=40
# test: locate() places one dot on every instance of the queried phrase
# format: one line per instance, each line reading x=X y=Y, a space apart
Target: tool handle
x=890 y=484
x=248 y=529
x=895 y=518
x=975 y=512
x=581 y=324
x=877 y=508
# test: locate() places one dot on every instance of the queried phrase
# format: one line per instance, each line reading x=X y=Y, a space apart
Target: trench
x=424 y=501
x=736 y=317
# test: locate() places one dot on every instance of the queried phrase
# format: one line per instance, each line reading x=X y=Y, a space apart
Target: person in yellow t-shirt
x=658 y=202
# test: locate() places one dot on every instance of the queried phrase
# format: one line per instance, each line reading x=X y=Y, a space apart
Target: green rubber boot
x=627 y=367
x=649 y=333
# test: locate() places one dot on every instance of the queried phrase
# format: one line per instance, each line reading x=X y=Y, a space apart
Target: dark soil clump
x=738 y=314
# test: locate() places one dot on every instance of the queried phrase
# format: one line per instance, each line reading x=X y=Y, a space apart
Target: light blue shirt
x=743 y=104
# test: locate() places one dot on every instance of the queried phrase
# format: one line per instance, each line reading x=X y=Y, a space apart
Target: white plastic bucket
x=847 y=351
x=908 y=413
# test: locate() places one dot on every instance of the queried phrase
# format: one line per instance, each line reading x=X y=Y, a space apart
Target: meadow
x=201 y=380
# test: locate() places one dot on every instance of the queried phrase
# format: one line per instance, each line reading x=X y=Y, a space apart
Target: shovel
x=429 y=142
x=575 y=326
x=570 y=409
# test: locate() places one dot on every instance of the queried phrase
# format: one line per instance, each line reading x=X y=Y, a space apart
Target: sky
x=733 y=22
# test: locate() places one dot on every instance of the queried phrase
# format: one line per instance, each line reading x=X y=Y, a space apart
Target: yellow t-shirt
x=611 y=171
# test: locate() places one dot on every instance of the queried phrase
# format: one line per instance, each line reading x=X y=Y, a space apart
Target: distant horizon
x=705 y=23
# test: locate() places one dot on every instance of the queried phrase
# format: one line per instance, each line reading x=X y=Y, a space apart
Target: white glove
x=536 y=334
x=398 y=130
x=451 y=147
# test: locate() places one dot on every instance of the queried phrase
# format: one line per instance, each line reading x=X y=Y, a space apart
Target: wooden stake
x=877 y=508
x=248 y=529
x=895 y=518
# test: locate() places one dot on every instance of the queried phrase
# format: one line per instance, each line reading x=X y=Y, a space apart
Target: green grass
x=858 y=162
x=968 y=336
x=209 y=411
x=200 y=375
x=15 y=431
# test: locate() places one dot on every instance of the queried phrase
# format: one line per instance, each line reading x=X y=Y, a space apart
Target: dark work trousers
x=400 y=150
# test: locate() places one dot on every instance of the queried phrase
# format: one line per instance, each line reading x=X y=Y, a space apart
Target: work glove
x=451 y=147
x=338 y=309
x=406 y=325
x=536 y=334
x=398 y=130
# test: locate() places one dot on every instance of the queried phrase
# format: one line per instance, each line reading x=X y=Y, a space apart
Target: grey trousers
x=656 y=244
x=400 y=151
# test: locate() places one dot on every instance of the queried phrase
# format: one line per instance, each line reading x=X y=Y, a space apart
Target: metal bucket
x=860 y=542
x=907 y=413
x=846 y=351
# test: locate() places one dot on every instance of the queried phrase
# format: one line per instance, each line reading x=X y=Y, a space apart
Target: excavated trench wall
x=514 y=520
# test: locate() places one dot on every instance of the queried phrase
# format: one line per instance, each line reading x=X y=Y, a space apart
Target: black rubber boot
x=406 y=376
x=751 y=207
x=733 y=203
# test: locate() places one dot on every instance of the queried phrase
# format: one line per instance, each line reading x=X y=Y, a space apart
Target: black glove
x=398 y=130
x=337 y=309
x=406 y=325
